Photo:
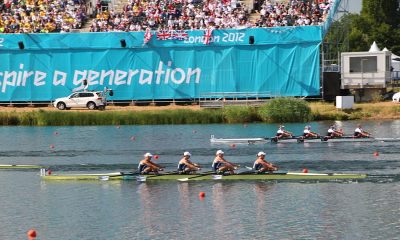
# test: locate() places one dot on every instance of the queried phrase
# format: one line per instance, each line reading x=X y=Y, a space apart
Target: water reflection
x=262 y=207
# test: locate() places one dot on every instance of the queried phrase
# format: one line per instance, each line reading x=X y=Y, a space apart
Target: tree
x=379 y=21
x=382 y=11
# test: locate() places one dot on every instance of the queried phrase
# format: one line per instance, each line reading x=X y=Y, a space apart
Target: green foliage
x=379 y=21
x=280 y=110
x=240 y=114
x=66 y=118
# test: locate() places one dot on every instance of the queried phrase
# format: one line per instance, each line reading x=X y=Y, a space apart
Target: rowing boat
x=295 y=176
x=215 y=140
x=339 y=139
x=238 y=140
x=9 y=166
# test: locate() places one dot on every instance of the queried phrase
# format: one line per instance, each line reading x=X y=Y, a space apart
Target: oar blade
x=141 y=178
x=183 y=179
x=216 y=177
x=104 y=178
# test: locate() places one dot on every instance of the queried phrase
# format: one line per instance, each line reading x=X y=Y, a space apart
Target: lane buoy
x=202 y=194
x=245 y=125
x=49 y=172
x=133 y=138
x=55 y=133
x=118 y=126
x=233 y=145
x=31 y=233
x=156 y=157
x=305 y=170
x=194 y=131
x=52 y=146
x=376 y=154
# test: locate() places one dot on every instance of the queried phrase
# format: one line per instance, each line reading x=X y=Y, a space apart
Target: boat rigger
x=205 y=176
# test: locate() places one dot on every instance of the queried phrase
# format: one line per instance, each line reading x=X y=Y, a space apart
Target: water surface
x=368 y=209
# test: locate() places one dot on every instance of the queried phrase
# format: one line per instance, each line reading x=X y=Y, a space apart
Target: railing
x=221 y=99
x=396 y=75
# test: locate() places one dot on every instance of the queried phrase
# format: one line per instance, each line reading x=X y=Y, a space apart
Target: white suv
x=396 y=97
x=89 y=99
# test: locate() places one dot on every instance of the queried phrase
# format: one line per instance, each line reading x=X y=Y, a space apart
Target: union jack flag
x=163 y=35
x=207 y=36
x=147 y=36
x=181 y=35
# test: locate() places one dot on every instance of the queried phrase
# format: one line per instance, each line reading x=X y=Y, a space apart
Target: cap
x=148 y=155
x=261 y=154
x=219 y=152
x=187 y=154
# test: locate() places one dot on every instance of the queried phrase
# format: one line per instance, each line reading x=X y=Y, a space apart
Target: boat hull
x=199 y=177
x=214 y=140
x=9 y=166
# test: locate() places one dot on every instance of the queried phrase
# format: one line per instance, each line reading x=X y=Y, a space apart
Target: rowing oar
x=143 y=178
x=106 y=177
x=197 y=176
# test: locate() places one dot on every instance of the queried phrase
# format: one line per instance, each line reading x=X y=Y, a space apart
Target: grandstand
x=162 y=50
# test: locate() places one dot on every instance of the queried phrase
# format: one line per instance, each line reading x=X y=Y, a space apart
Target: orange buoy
x=52 y=146
x=233 y=145
x=305 y=170
x=376 y=154
x=202 y=194
x=31 y=233
x=133 y=138
x=156 y=157
x=194 y=131
x=55 y=133
x=49 y=172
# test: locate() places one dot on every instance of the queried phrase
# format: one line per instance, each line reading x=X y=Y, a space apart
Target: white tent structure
x=374 y=48
x=395 y=64
x=394 y=56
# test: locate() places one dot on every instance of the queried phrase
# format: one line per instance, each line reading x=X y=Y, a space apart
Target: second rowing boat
x=9 y=166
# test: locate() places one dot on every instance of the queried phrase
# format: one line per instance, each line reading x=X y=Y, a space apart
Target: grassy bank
x=278 y=111
x=66 y=118
x=379 y=110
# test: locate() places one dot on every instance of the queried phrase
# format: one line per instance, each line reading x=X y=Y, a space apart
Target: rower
x=262 y=166
x=220 y=165
x=360 y=133
x=282 y=133
x=308 y=134
x=333 y=132
x=186 y=166
x=146 y=165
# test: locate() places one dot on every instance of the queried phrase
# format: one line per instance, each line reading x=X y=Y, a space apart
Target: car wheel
x=61 y=106
x=91 y=105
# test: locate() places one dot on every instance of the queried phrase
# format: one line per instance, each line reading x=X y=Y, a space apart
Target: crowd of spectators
x=41 y=16
x=172 y=14
x=293 y=13
x=44 y=16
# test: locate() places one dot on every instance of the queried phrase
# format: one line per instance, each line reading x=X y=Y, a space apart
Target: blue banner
x=41 y=67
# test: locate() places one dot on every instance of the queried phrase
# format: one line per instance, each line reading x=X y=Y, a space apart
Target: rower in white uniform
x=360 y=133
x=282 y=133
x=333 y=132
x=307 y=133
